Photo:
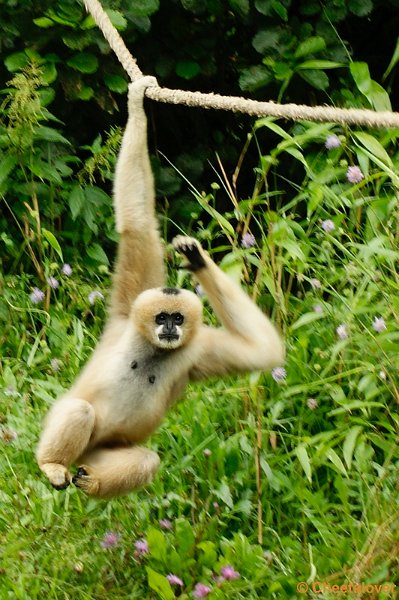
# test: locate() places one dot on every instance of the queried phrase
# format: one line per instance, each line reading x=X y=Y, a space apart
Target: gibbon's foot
x=58 y=475
x=138 y=87
x=192 y=250
x=86 y=483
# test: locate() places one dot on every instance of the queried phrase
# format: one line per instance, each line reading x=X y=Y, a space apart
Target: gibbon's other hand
x=191 y=249
x=138 y=87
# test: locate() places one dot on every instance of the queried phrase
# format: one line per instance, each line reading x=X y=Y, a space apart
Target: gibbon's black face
x=169 y=326
x=167 y=317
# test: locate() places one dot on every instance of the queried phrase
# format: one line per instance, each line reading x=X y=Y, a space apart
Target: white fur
x=131 y=380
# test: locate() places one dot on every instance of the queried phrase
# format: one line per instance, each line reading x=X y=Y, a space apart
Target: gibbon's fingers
x=108 y=472
x=138 y=87
x=191 y=249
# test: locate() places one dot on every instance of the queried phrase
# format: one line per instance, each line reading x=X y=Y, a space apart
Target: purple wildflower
x=174 y=580
x=201 y=590
x=312 y=403
x=207 y=452
x=8 y=436
x=95 y=295
x=354 y=174
x=141 y=547
x=318 y=308
x=55 y=364
x=53 y=283
x=315 y=283
x=342 y=332
x=328 y=225
x=229 y=573
x=66 y=270
x=110 y=540
x=248 y=240
x=279 y=374
x=332 y=142
x=379 y=324
x=37 y=296
x=165 y=524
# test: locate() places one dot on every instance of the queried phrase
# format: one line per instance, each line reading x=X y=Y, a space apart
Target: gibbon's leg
x=140 y=264
x=67 y=432
x=106 y=472
x=248 y=341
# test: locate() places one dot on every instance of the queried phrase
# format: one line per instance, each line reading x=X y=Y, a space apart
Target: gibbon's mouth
x=169 y=337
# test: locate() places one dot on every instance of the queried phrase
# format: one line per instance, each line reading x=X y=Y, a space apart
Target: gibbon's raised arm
x=139 y=265
x=248 y=340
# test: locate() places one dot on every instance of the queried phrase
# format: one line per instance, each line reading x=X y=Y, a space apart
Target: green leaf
x=49 y=135
x=306 y=319
x=185 y=536
x=317 y=79
x=143 y=8
x=85 y=93
x=320 y=64
x=44 y=22
x=52 y=240
x=187 y=69
x=223 y=493
x=6 y=166
x=76 y=201
x=311 y=45
x=372 y=90
x=280 y=10
x=157 y=544
x=116 y=83
x=97 y=253
x=159 y=584
x=303 y=458
x=361 y=76
x=255 y=77
x=336 y=461
x=240 y=6
x=374 y=146
x=265 y=39
x=117 y=19
x=349 y=444
x=394 y=60
x=16 y=61
x=85 y=62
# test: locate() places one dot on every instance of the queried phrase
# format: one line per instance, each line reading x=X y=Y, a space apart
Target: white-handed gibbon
x=153 y=344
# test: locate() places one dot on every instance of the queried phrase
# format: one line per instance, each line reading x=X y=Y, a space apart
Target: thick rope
x=295 y=112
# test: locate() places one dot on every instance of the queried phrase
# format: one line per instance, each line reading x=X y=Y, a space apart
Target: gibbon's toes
x=192 y=250
x=57 y=475
x=86 y=483
x=138 y=87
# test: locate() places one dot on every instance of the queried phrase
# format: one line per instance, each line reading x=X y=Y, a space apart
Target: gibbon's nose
x=169 y=326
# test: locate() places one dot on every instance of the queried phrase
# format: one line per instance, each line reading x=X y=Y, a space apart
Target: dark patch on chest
x=147 y=369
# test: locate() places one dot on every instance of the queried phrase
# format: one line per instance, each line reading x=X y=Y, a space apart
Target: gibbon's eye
x=178 y=318
x=161 y=318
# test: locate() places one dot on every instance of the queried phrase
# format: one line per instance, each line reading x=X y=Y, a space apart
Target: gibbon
x=153 y=344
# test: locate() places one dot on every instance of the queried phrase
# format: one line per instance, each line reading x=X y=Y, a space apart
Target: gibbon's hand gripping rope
x=295 y=112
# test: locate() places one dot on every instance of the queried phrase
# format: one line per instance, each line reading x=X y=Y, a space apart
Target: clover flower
x=37 y=296
x=312 y=403
x=53 y=283
x=201 y=590
x=8 y=436
x=315 y=283
x=248 y=240
x=342 y=332
x=354 y=174
x=66 y=270
x=207 y=452
x=55 y=365
x=379 y=324
x=174 y=580
x=328 y=225
x=229 y=573
x=332 y=142
x=279 y=373
x=141 y=547
x=110 y=540
x=95 y=295
x=165 y=524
